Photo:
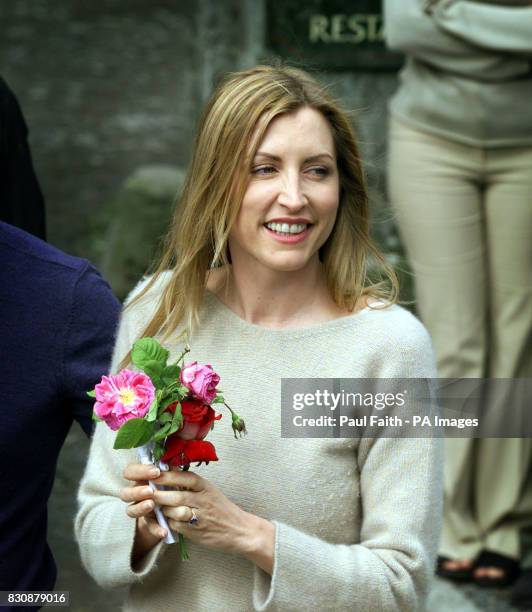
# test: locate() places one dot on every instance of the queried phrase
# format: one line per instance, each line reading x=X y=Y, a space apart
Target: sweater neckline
x=308 y=330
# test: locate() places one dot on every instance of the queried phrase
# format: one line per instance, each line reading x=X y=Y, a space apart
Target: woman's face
x=291 y=201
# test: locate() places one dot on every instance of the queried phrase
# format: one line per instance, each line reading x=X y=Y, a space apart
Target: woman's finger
x=179 y=513
x=140 y=508
x=154 y=528
x=176 y=498
x=135 y=494
x=177 y=526
x=139 y=471
x=185 y=480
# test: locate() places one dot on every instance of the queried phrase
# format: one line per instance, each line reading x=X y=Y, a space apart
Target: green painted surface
x=330 y=34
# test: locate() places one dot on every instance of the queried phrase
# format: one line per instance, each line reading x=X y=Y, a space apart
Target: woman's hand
x=141 y=505
x=221 y=523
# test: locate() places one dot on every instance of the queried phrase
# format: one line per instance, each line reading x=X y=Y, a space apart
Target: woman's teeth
x=286 y=228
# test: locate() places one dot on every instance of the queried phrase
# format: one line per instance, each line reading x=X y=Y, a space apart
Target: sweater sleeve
x=391 y=567
x=501 y=29
x=88 y=343
x=431 y=39
x=104 y=532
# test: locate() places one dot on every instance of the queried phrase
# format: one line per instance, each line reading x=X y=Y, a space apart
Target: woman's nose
x=291 y=195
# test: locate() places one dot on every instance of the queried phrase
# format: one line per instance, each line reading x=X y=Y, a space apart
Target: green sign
x=333 y=34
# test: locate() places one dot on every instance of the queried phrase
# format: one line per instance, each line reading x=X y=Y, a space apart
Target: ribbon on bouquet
x=146 y=458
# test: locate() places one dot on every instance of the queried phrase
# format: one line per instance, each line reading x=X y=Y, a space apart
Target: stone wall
x=110 y=86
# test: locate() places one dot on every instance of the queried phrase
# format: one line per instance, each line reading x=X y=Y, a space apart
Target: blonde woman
x=275 y=198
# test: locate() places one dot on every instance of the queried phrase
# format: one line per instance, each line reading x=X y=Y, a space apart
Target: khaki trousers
x=465 y=216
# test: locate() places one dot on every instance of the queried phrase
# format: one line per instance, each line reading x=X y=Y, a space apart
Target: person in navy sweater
x=58 y=319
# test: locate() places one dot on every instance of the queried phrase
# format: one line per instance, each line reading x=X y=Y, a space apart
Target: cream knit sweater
x=357 y=521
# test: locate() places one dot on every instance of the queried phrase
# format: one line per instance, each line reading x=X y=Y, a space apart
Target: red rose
x=197 y=419
x=187 y=444
x=183 y=452
x=194 y=410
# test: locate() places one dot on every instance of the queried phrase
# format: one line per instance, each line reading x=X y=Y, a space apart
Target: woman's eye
x=319 y=170
x=263 y=170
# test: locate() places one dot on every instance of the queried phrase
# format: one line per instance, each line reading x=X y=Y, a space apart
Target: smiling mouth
x=288 y=229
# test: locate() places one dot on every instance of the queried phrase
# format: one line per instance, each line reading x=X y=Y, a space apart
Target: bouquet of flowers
x=164 y=410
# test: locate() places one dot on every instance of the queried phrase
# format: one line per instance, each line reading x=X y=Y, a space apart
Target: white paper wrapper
x=146 y=458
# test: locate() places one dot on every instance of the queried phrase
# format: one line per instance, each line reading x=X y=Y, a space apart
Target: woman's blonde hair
x=230 y=131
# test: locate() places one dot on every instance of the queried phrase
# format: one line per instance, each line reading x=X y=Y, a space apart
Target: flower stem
x=185 y=351
x=182 y=543
x=183 y=548
x=237 y=424
x=229 y=408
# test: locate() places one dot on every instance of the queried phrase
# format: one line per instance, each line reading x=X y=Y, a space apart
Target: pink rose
x=127 y=395
x=200 y=380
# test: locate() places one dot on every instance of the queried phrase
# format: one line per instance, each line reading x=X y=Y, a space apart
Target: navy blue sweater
x=58 y=318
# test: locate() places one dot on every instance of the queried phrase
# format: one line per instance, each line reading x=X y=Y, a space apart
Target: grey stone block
x=138 y=220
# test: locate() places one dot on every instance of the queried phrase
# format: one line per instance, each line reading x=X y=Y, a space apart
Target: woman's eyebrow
x=308 y=159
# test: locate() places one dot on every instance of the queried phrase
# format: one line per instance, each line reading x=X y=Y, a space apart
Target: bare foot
x=454 y=565
x=489 y=572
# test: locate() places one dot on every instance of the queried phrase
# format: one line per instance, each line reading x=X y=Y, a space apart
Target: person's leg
x=509 y=239
x=503 y=483
x=434 y=190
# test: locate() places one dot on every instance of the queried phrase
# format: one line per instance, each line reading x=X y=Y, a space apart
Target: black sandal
x=521 y=596
x=510 y=568
x=458 y=575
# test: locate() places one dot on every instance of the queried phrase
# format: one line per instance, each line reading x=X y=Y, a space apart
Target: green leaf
x=218 y=400
x=170 y=374
x=154 y=369
x=175 y=427
x=146 y=350
x=158 y=450
x=152 y=412
x=162 y=433
x=91 y=393
x=166 y=417
x=177 y=420
x=134 y=433
x=170 y=399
